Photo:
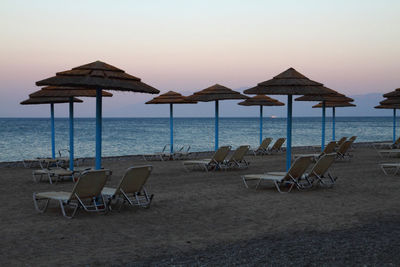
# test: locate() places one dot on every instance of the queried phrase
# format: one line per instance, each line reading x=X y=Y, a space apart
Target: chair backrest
x=323 y=164
x=180 y=149
x=278 y=144
x=298 y=167
x=265 y=143
x=90 y=184
x=221 y=153
x=397 y=142
x=344 y=147
x=353 y=138
x=134 y=179
x=329 y=148
x=341 y=141
x=239 y=153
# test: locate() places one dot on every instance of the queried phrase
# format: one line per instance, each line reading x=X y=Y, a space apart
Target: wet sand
x=210 y=218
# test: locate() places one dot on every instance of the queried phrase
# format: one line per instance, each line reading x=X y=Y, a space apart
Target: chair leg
x=384 y=171
x=62 y=204
x=244 y=181
x=36 y=203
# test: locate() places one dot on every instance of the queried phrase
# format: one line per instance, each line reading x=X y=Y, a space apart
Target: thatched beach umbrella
x=392 y=102
x=395 y=93
x=333 y=105
x=51 y=101
x=99 y=75
x=334 y=96
x=289 y=82
x=63 y=91
x=216 y=93
x=171 y=98
x=261 y=100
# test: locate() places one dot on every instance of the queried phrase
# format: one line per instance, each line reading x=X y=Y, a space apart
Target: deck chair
x=382 y=145
x=237 y=159
x=54 y=173
x=389 y=152
x=319 y=171
x=86 y=194
x=343 y=150
x=182 y=153
x=263 y=148
x=131 y=188
x=216 y=162
x=277 y=147
x=158 y=155
x=293 y=177
x=329 y=148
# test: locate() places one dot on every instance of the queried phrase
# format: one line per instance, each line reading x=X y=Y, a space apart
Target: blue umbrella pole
x=333 y=123
x=216 y=125
x=53 y=142
x=289 y=133
x=98 y=128
x=394 y=125
x=71 y=133
x=171 y=126
x=323 y=126
x=261 y=124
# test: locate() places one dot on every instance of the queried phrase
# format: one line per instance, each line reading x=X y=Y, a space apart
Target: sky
x=185 y=46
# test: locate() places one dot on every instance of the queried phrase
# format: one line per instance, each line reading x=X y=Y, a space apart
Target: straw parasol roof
x=289 y=82
x=390 y=101
x=395 y=93
x=392 y=106
x=261 y=100
x=170 y=97
x=48 y=100
x=62 y=91
x=99 y=75
x=216 y=92
x=334 y=104
x=333 y=97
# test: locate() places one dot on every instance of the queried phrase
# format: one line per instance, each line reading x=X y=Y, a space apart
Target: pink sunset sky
x=350 y=46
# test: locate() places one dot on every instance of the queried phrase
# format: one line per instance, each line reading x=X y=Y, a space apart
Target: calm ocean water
x=28 y=138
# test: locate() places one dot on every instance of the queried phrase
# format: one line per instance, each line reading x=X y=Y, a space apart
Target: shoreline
x=135 y=157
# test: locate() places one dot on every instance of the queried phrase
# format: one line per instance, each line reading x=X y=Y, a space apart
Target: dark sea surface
x=30 y=137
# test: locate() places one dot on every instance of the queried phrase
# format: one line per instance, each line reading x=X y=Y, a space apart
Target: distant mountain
x=229 y=108
x=133 y=105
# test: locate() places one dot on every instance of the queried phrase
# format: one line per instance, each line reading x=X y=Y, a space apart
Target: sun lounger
x=263 y=148
x=392 y=165
x=343 y=150
x=277 y=147
x=131 y=188
x=390 y=145
x=86 y=194
x=215 y=163
x=388 y=152
x=237 y=159
x=293 y=177
x=319 y=171
x=182 y=153
x=329 y=148
x=54 y=173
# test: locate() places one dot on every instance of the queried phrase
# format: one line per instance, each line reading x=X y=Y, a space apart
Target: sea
x=24 y=138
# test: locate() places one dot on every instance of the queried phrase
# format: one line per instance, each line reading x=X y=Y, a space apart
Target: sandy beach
x=200 y=218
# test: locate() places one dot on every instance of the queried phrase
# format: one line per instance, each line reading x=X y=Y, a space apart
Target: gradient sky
x=350 y=46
